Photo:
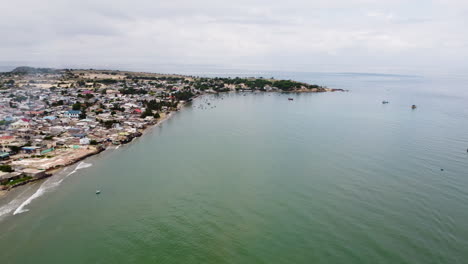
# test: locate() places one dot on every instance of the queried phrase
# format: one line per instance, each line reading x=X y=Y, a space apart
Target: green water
x=326 y=178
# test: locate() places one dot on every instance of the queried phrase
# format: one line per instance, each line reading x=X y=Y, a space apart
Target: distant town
x=53 y=118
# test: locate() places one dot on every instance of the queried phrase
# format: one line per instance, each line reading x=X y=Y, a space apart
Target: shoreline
x=53 y=171
x=103 y=148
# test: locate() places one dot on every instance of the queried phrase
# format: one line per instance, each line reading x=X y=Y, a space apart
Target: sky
x=377 y=36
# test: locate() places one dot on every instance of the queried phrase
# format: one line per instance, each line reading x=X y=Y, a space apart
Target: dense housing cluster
x=52 y=118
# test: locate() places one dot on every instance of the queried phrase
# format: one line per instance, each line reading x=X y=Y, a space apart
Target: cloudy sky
x=394 y=36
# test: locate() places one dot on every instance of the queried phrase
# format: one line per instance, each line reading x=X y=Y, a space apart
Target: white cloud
x=276 y=34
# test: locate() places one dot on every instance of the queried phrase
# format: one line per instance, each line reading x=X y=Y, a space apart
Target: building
x=36 y=174
x=73 y=113
x=20 y=124
x=4 y=155
x=6 y=177
x=84 y=141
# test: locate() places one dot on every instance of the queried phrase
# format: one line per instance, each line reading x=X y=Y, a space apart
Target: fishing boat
x=413 y=107
x=384 y=102
x=290 y=99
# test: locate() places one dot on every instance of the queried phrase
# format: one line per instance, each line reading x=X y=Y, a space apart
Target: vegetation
x=13 y=182
x=108 y=123
x=184 y=95
x=6 y=168
x=133 y=91
x=76 y=106
x=82 y=115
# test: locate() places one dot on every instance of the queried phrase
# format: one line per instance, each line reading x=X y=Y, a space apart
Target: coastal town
x=51 y=118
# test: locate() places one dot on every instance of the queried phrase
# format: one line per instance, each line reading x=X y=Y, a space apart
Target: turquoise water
x=255 y=178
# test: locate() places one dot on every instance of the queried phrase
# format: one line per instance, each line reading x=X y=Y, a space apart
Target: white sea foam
x=47 y=186
x=6 y=209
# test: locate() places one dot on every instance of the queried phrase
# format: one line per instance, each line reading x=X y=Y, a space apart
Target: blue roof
x=74 y=112
x=29 y=148
x=50 y=117
x=79 y=135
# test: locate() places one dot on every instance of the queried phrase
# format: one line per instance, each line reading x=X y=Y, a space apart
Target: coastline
x=51 y=172
x=168 y=94
x=166 y=116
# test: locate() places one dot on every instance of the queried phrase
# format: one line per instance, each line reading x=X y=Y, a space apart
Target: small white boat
x=98 y=191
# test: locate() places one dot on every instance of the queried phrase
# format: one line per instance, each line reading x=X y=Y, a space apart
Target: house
x=20 y=124
x=6 y=177
x=79 y=135
x=6 y=140
x=30 y=150
x=51 y=118
x=73 y=113
x=35 y=173
x=8 y=119
x=84 y=141
x=4 y=155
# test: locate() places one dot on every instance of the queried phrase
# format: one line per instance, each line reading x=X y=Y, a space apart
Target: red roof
x=25 y=119
x=6 y=137
x=35 y=112
x=137 y=110
x=87 y=92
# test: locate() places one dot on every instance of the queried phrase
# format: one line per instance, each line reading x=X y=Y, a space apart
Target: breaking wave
x=6 y=209
x=47 y=186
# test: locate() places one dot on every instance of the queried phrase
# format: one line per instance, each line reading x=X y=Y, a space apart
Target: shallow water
x=326 y=178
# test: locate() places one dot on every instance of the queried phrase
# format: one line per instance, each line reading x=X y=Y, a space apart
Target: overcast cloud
x=315 y=35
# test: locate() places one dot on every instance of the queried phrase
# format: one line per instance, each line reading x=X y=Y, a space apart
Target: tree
x=108 y=123
x=147 y=112
x=6 y=168
x=15 y=149
x=76 y=106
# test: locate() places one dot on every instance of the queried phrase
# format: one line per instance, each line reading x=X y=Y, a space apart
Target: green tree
x=6 y=168
x=76 y=106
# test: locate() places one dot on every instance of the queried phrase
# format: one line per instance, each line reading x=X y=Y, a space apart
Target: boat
x=98 y=191
x=384 y=102
x=290 y=99
x=413 y=107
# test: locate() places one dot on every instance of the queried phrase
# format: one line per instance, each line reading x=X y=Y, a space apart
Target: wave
x=47 y=186
x=6 y=209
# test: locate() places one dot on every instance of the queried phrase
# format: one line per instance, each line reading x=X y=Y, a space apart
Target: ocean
x=255 y=178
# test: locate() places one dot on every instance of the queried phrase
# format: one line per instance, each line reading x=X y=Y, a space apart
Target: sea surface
x=256 y=178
